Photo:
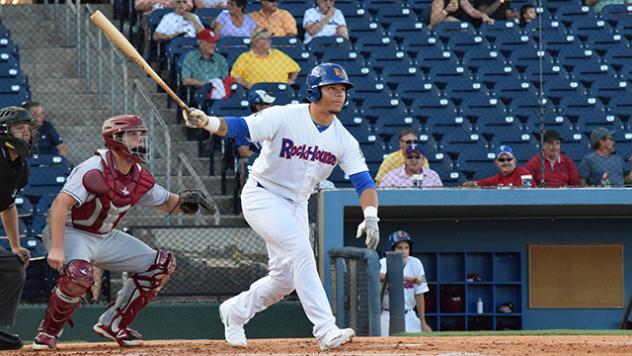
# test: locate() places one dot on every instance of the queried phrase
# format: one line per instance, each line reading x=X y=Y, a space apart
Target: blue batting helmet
x=325 y=74
x=397 y=237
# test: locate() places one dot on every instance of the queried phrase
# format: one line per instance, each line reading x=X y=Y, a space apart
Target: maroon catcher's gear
x=74 y=281
x=138 y=290
x=115 y=194
x=113 y=130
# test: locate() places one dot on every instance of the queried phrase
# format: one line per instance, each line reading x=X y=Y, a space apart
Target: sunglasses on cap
x=503 y=160
x=413 y=157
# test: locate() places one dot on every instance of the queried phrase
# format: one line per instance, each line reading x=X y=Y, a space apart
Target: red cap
x=207 y=35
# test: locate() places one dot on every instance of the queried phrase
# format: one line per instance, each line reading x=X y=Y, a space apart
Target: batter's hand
x=56 y=258
x=369 y=226
x=195 y=118
x=23 y=254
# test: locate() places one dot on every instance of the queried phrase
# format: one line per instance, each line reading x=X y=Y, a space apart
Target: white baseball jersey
x=172 y=23
x=295 y=156
x=413 y=267
x=156 y=196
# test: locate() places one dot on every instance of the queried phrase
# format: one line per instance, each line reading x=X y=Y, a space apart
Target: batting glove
x=195 y=118
x=369 y=226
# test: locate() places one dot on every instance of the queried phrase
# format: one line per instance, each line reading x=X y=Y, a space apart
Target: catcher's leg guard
x=138 y=290
x=74 y=281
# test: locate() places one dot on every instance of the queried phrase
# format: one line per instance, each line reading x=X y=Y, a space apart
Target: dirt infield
x=444 y=345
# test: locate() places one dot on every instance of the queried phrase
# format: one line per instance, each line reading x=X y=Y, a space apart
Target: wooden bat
x=123 y=44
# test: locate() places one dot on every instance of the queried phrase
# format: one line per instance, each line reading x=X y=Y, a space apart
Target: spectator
x=395 y=159
x=495 y=9
x=597 y=5
x=248 y=151
x=277 y=21
x=508 y=176
x=415 y=285
x=233 y=22
x=49 y=140
x=412 y=173
x=324 y=20
x=201 y=65
x=182 y=22
x=559 y=170
x=200 y=4
x=602 y=167
x=263 y=63
x=147 y=6
x=455 y=10
x=527 y=14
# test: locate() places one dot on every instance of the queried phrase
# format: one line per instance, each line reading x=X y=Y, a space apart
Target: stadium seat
x=433 y=57
x=457 y=91
x=407 y=29
x=614 y=13
x=22 y=232
x=606 y=89
x=491 y=31
x=152 y=22
x=442 y=74
x=373 y=152
x=429 y=105
x=474 y=58
x=446 y=29
x=577 y=150
x=344 y=58
x=421 y=8
x=571 y=13
x=549 y=71
x=548 y=24
x=572 y=56
x=621 y=107
x=475 y=108
x=442 y=124
x=524 y=107
x=24 y=206
x=490 y=74
x=461 y=42
x=408 y=91
x=319 y=45
x=562 y=88
x=588 y=122
x=618 y=57
x=281 y=91
x=297 y=8
x=588 y=72
x=363 y=133
x=235 y=105
x=232 y=44
x=385 y=56
x=553 y=42
x=423 y=44
x=506 y=90
x=510 y=41
x=555 y=122
x=362 y=27
x=576 y=106
x=529 y=56
x=584 y=27
x=390 y=14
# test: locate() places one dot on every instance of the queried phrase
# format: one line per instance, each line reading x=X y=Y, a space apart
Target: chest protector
x=114 y=192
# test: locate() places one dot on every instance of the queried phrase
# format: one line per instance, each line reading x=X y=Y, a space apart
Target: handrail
x=184 y=161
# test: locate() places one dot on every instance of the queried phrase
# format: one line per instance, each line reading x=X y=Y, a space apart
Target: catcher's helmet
x=11 y=116
x=325 y=74
x=113 y=130
x=397 y=237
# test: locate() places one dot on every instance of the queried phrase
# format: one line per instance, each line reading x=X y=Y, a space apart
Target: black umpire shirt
x=13 y=176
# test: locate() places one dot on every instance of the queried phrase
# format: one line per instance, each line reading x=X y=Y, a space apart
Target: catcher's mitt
x=191 y=201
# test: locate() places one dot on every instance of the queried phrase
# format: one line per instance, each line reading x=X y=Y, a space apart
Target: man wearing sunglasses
x=277 y=21
x=508 y=174
x=395 y=159
x=412 y=172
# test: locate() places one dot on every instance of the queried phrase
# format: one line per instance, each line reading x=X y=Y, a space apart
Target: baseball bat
x=123 y=44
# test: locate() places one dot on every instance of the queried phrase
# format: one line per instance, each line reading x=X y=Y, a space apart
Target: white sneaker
x=234 y=334
x=335 y=338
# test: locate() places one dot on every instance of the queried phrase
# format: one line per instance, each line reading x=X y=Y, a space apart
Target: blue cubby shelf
x=451 y=301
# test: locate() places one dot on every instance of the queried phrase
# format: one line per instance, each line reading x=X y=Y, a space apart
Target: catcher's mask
x=18 y=130
x=127 y=135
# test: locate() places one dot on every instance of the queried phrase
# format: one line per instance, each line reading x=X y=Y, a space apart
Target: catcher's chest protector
x=114 y=192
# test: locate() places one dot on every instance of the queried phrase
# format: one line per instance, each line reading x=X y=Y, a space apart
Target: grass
x=523 y=333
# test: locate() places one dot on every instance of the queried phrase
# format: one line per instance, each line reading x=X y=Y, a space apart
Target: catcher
x=98 y=193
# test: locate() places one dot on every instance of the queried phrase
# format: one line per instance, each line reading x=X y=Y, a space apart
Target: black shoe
x=9 y=341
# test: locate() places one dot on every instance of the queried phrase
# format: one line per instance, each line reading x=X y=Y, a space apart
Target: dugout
x=557 y=256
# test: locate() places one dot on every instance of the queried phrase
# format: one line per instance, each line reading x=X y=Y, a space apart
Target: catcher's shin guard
x=137 y=292
x=75 y=280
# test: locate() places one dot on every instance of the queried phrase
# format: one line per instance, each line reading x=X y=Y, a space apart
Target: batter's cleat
x=44 y=341
x=234 y=334
x=124 y=337
x=336 y=338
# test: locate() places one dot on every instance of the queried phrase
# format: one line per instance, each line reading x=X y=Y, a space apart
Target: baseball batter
x=98 y=193
x=415 y=285
x=301 y=145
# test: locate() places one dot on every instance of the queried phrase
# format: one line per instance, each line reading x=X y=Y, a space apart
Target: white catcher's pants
x=284 y=226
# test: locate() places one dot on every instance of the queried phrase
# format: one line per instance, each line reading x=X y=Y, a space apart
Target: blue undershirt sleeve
x=362 y=181
x=237 y=127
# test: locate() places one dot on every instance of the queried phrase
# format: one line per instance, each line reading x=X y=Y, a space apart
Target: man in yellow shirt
x=263 y=64
x=278 y=21
x=396 y=159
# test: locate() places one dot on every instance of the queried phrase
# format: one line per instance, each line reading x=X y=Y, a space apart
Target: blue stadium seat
x=462 y=42
x=445 y=30
x=373 y=152
x=422 y=42
x=548 y=24
x=620 y=107
x=319 y=45
x=351 y=115
x=283 y=92
x=433 y=57
x=570 y=13
x=577 y=150
x=421 y=8
x=47 y=176
x=442 y=124
x=508 y=89
x=614 y=13
x=408 y=91
x=576 y=106
x=350 y=8
x=589 y=72
x=390 y=14
x=24 y=206
x=407 y=29
x=605 y=41
x=490 y=74
x=529 y=56
x=482 y=170
x=624 y=27
x=363 y=133
x=380 y=5
x=549 y=71
x=49 y=160
x=606 y=89
x=382 y=107
x=618 y=57
x=207 y=15
x=22 y=232
x=510 y=41
x=296 y=8
x=554 y=42
x=475 y=58
x=588 y=122
x=429 y=105
x=555 y=122
x=584 y=27
x=498 y=27
x=523 y=107
x=362 y=27
x=444 y=73
x=457 y=91
x=396 y=75
x=475 y=108
x=344 y=58
x=232 y=44
x=235 y=105
x=152 y=22
x=558 y=89
x=570 y=57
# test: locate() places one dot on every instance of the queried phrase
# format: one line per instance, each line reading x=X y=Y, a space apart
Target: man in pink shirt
x=508 y=176
x=412 y=173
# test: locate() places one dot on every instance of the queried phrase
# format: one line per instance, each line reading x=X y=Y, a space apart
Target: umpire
x=16 y=143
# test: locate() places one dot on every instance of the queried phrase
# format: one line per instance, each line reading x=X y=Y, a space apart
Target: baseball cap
x=207 y=35
x=413 y=147
x=504 y=150
x=260 y=96
x=260 y=33
x=599 y=133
